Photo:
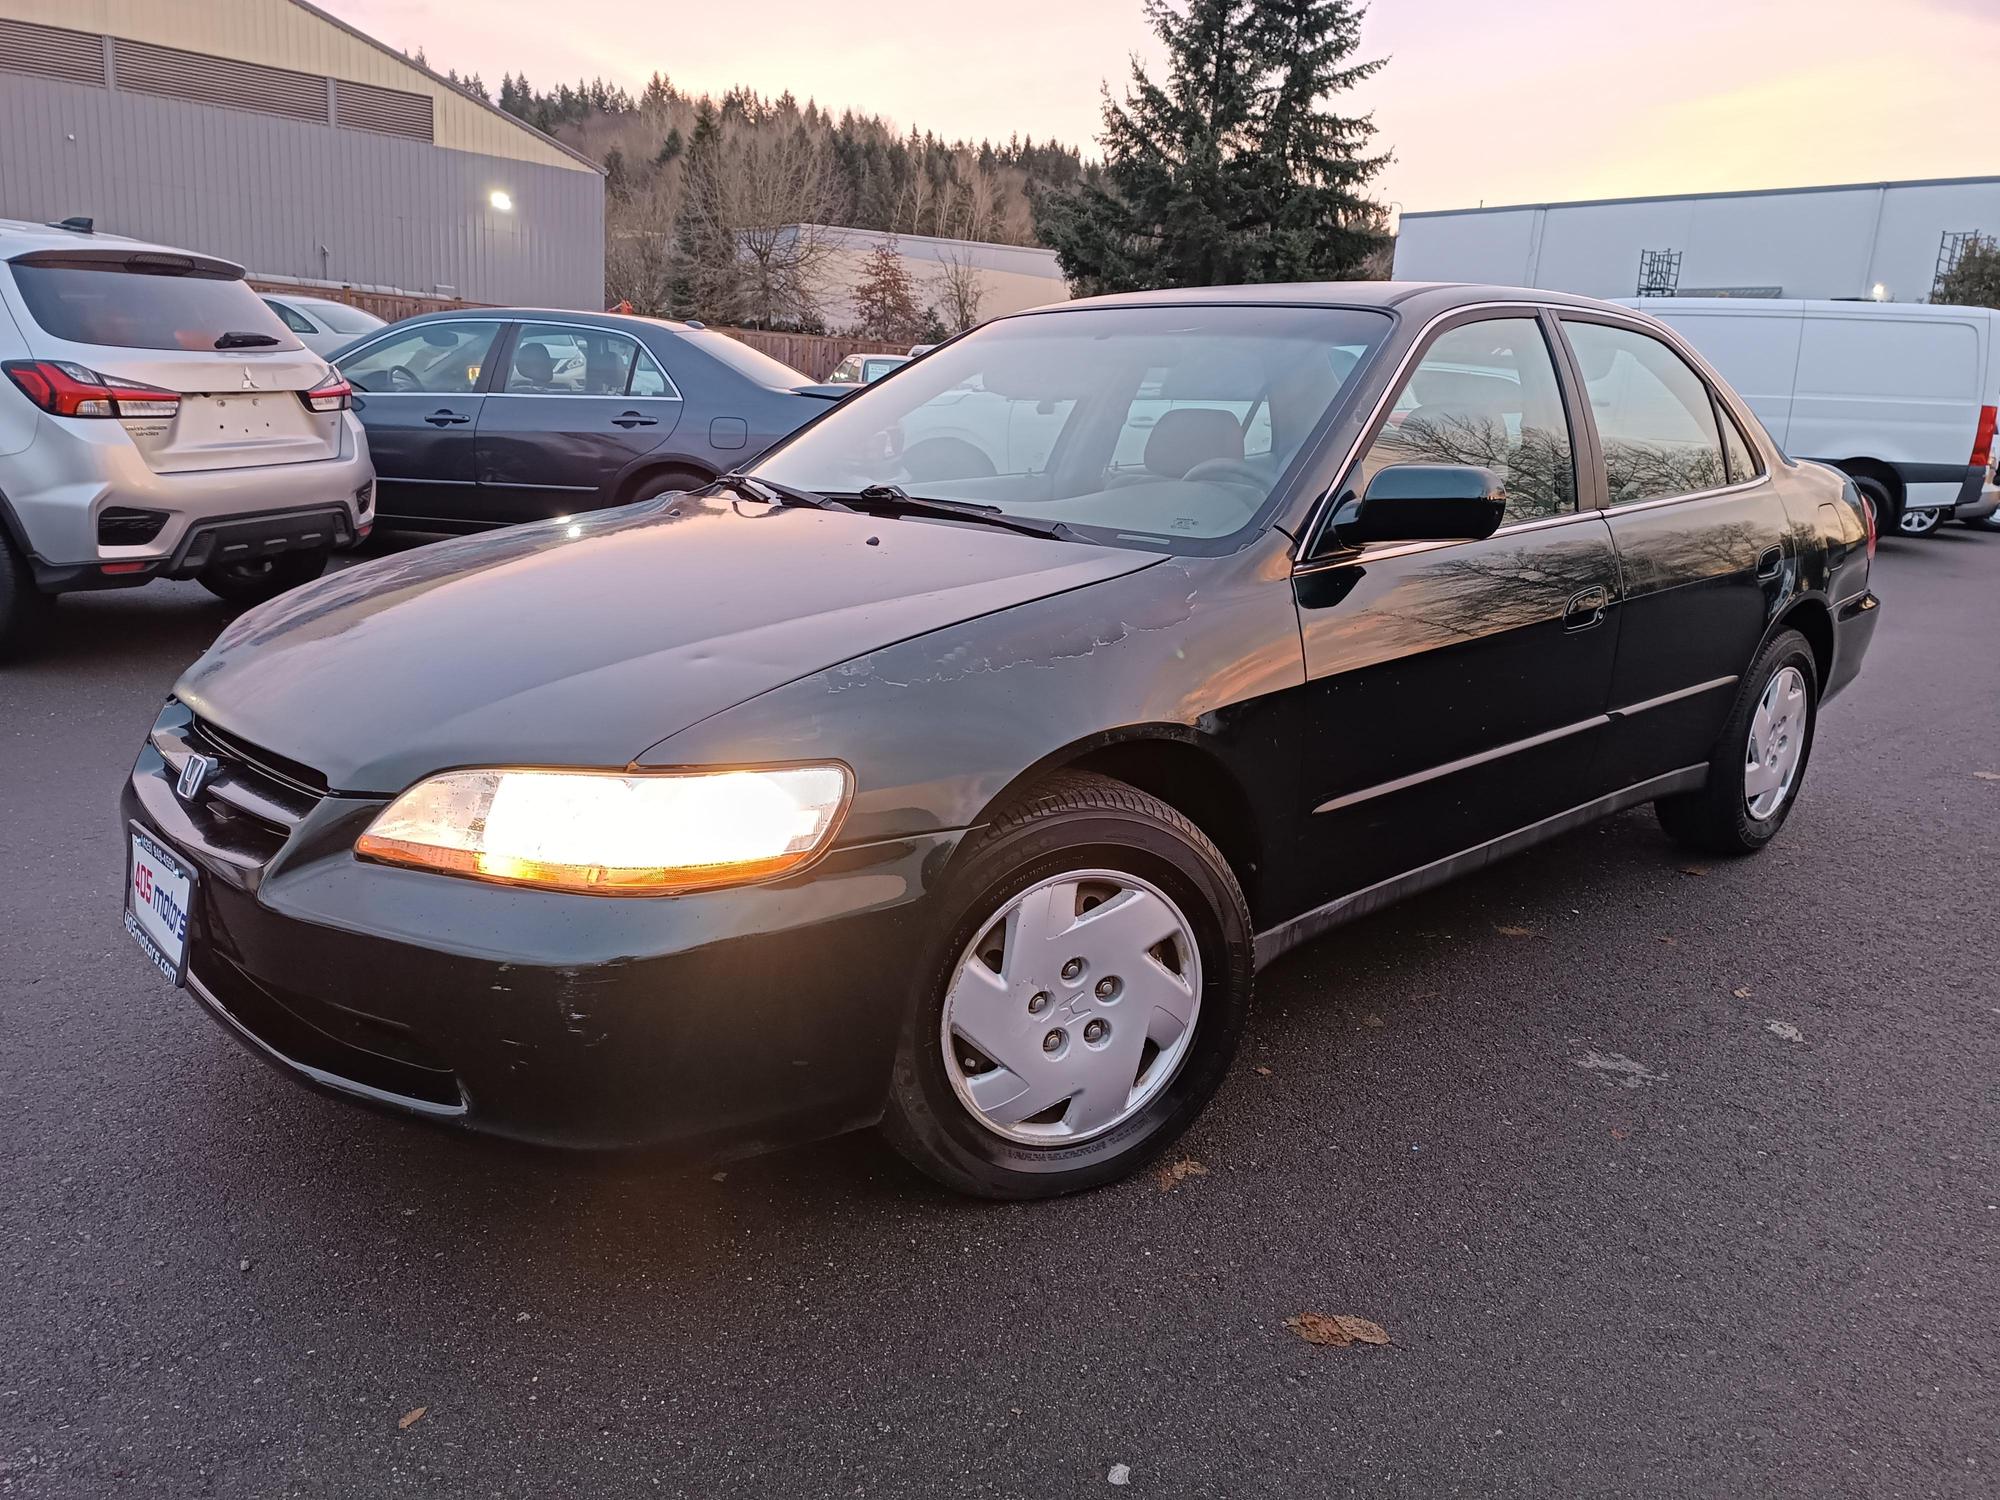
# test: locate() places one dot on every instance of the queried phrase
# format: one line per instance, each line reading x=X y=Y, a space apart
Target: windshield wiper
x=245 y=341
x=771 y=492
x=894 y=500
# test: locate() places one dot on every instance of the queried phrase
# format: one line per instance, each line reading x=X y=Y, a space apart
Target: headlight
x=612 y=833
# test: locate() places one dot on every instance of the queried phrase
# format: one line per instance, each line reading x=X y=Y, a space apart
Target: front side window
x=1655 y=420
x=297 y=322
x=550 y=360
x=1162 y=426
x=442 y=359
x=1485 y=394
x=341 y=318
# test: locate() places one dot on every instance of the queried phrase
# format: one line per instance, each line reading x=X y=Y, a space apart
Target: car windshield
x=1166 y=427
x=341 y=318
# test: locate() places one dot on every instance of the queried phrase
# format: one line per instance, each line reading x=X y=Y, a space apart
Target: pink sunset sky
x=1522 y=101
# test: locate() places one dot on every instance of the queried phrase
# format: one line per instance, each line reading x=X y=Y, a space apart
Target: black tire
x=1072 y=821
x=1984 y=523
x=665 y=482
x=255 y=582
x=1717 y=818
x=24 y=609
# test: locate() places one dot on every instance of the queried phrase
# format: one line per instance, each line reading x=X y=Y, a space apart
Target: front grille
x=252 y=802
x=122 y=526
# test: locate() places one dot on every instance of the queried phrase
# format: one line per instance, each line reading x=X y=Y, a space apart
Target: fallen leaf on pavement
x=1987 y=775
x=1786 y=1030
x=1337 y=1331
x=1120 y=1474
x=1667 y=940
x=411 y=1417
x=1174 y=1173
x=1617 y=1134
x=1742 y=992
x=1371 y=1019
x=1264 y=1072
x=1694 y=869
x=1515 y=931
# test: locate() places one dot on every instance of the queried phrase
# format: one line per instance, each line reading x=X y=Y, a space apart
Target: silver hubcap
x=1777 y=743
x=1073 y=1008
x=1918 y=522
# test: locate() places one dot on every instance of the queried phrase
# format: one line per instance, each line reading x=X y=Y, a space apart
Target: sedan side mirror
x=1424 y=503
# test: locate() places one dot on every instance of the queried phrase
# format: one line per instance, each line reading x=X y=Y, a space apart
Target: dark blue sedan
x=485 y=418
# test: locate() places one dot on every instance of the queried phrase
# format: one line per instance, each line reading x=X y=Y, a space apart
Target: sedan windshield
x=1165 y=427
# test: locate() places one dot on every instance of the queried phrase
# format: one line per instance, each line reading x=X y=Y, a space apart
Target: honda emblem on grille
x=194 y=776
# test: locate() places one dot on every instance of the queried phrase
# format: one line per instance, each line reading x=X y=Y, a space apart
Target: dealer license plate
x=158 y=897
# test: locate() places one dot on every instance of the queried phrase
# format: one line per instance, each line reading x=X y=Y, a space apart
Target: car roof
x=626 y=321
x=1429 y=297
x=23 y=236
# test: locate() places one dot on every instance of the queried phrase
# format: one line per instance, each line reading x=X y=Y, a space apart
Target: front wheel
x=1760 y=760
x=1919 y=522
x=1082 y=1001
x=266 y=578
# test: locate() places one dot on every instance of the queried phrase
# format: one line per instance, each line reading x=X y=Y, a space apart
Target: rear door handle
x=446 y=418
x=1586 y=609
x=1769 y=562
x=631 y=419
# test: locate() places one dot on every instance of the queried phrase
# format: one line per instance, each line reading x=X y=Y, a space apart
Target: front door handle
x=443 y=418
x=630 y=419
x=1769 y=562
x=1586 y=609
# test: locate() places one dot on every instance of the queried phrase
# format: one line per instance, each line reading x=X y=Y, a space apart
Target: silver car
x=158 y=421
x=321 y=324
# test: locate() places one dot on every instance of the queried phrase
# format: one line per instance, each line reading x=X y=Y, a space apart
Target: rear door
x=418 y=390
x=1457 y=689
x=574 y=409
x=1704 y=544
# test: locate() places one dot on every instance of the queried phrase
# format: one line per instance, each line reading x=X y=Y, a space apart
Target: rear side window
x=554 y=360
x=1655 y=418
x=1738 y=449
x=443 y=359
x=111 y=304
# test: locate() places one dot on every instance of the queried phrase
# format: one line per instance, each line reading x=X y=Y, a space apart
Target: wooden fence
x=813 y=355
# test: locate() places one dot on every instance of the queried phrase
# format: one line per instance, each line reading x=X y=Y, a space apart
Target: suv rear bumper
x=60 y=487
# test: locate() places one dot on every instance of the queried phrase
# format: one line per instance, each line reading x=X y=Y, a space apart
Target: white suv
x=157 y=421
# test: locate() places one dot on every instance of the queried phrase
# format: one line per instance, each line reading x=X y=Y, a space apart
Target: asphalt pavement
x=1664 y=1177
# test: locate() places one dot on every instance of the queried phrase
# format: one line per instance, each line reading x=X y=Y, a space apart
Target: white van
x=1902 y=396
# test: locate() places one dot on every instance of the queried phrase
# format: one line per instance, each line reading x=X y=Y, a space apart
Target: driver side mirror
x=1423 y=503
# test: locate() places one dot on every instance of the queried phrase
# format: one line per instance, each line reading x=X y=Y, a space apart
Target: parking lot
x=1663 y=1178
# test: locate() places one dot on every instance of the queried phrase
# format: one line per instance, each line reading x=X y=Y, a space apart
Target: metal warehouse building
x=268 y=132
x=1887 y=240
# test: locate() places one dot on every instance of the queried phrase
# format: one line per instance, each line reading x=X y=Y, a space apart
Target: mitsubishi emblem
x=194 y=776
x=248 y=383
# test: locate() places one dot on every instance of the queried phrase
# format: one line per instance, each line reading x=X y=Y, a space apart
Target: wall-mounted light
x=1878 y=293
x=501 y=201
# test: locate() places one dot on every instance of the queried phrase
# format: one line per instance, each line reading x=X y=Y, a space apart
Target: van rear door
x=1903 y=390
x=185 y=324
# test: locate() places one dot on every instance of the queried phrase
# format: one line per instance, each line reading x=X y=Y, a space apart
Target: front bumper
x=724 y=1021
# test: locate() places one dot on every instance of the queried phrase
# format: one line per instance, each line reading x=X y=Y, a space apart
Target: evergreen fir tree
x=1229 y=169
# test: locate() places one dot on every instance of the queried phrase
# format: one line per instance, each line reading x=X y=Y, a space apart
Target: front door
x=1458 y=689
x=576 y=408
x=418 y=394
x=1703 y=541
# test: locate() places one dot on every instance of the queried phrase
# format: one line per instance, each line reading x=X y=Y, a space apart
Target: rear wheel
x=24 y=609
x=1919 y=522
x=1984 y=523
x=1760 y=760
x=266 y=578
x=1082 y=1001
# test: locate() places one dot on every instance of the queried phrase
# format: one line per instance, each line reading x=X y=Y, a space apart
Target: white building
x=1886 y=240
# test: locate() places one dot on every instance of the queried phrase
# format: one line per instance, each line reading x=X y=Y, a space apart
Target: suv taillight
x=335 y=395
x=1982 y=440
x=65 y=390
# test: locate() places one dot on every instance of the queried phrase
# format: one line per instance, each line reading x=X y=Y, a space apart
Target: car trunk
x=169 y=321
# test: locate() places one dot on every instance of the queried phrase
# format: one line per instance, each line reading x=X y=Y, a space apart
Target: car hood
x=584 y=642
